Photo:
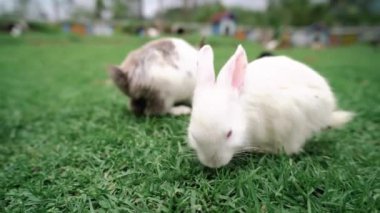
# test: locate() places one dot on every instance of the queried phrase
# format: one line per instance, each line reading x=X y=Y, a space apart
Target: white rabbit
x=269 y=105
x=158 y=76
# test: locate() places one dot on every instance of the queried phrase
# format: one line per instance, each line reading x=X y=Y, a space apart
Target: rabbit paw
x=180 y=110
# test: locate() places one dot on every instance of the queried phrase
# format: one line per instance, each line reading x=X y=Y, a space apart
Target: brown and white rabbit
x=158 y=77
x=269 y=105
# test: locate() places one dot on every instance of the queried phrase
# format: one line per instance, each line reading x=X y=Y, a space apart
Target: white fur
x=280 y=105
x=177 y=85
x=340 y=118
x=180 y=110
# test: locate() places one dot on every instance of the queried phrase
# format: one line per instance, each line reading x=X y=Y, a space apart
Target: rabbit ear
x=233 y=72
x=205 y=66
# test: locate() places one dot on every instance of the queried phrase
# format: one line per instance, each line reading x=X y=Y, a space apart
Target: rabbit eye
x=229 y=133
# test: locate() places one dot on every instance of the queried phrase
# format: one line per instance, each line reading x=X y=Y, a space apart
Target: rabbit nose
x=138 y=106
x=212 y=162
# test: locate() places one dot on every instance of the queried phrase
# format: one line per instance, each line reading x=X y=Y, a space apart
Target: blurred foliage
x=119 y=9
x=6 y=25
x=199 y=14
x=99 y=7
x=290 y=12
x=132 y=27
x=22 y=7
x=295 y=12
x=80 y=14
x=301 y=12
x=34 y=26
x=356 y=12
x=44 y=27
x=278 y=13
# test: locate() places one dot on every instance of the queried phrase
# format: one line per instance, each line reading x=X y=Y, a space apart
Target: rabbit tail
x=339 y=118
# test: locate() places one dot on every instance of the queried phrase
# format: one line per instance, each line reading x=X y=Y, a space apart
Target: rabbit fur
x=270 y=105
x=159 y=78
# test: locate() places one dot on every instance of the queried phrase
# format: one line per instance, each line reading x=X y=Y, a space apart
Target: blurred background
x=272 y=23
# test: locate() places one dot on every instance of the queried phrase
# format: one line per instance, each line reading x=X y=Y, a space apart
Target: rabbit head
x=217 y=124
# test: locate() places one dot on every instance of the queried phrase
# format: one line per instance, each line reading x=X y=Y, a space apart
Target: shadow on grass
x=237 y=163
x=318 y=150
x=319 y=146
x=127 y=113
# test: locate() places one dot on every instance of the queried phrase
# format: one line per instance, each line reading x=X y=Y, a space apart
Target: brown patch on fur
x=155 y=103
x=164 y=47
x=119 y=78
x=147 y=102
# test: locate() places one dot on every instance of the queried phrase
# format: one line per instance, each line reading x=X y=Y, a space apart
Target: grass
x=69 y=144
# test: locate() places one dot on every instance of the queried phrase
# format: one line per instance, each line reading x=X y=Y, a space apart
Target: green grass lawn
x=67 y=142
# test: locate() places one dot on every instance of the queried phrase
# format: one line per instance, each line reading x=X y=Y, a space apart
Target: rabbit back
x=286 y=103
